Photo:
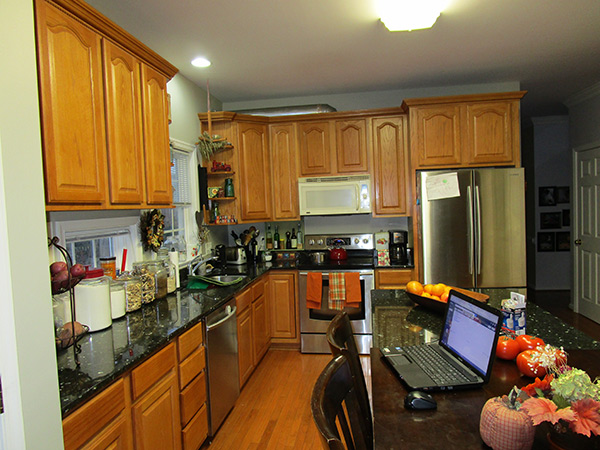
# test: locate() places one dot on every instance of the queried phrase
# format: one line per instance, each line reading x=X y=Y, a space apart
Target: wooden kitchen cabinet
x=392 y=278
x=103 y=100
x=315 y=148
x=245 y=345
x=261 y=329
x=283 y=145
x=254 y=168
x=282 y=287
x=465 y=131
x=351 y=146
x=390 y=166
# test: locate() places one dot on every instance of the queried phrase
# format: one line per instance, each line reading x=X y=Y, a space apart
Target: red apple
x=77 y=270
x=57 y=267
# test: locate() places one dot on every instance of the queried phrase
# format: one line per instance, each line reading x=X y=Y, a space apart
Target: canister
x=92 y=301
x=109 y=266
x=158 y=273
x=132 y=285
x=117 y=299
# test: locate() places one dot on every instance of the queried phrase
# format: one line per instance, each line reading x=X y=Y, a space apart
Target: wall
x=584 y=116
x=552 y=166
x=374 y=99
x=32 y=417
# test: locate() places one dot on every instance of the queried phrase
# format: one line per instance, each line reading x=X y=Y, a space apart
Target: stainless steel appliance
x=236 y=255
x=398 y=246
x=360 y=258
x=222 y=362
x=473 y=227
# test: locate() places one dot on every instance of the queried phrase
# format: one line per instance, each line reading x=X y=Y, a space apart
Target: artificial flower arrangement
x=565 y=397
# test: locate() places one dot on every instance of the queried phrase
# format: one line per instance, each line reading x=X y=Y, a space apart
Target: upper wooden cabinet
x=463 y=131
x=351 y=146
x=283 y=172
x=315 y=148
x=390 y=166
x=104 y=112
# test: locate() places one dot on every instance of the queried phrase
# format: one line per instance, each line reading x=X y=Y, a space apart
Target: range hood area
x=288 y=110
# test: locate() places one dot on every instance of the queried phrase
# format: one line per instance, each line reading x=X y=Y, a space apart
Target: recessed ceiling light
x=407 y=15
x=201 y=62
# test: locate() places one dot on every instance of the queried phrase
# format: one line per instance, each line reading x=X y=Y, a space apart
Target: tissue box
x=514 y=313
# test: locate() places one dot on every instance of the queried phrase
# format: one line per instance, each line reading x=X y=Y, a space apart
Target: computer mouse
x=419 y=400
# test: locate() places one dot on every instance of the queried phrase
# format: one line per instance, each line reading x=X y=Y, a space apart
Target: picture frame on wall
x=550 y=220
x=563 y=241
x=547 y=196
x=566 y=217
x=545 y=241
x=563 y=195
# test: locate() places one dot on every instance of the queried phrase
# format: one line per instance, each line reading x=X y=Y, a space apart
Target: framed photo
x=563 y=241
x=547 y=196
x=566 y=217
x=562 y=194
x=545 y=241
x=550 y=220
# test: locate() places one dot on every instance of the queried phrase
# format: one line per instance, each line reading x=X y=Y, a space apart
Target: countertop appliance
x=360 y=258
x=236 y=255
x=222 y=363
x=398 y=247
x=473 y=227
x=334 y=195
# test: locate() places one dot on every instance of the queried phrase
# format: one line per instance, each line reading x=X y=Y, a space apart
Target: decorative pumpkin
x=503 y=427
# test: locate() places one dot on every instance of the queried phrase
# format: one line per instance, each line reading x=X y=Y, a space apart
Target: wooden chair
x=334 y=398
x=341 y=342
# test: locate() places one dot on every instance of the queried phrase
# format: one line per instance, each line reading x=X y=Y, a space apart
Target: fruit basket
x=440 y=306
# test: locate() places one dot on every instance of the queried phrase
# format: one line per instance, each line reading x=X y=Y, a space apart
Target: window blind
x=180 y=178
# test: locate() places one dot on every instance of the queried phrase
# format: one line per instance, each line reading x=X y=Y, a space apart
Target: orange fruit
x=428 y=288
x=444 y=297
x=426 y=294
x=435 y=297
x=438 y=289
x=414 y=287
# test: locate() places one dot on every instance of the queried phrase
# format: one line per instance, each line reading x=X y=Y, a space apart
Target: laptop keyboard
x=434 y=365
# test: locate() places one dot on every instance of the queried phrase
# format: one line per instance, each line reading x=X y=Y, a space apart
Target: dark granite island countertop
x=107 y=354
x=397 y=321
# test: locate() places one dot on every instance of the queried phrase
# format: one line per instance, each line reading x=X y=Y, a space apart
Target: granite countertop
x=107 y=354
x=398 y=321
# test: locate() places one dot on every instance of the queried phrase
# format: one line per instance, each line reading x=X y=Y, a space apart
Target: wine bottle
x=288 y=240
x=269 y=238
x=294 y=239
x=299 y=238
x=276 y=238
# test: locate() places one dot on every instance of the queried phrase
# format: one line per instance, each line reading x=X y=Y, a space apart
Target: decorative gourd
x=503 y=427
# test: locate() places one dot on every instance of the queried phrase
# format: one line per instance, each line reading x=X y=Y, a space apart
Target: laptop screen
x=470 y=331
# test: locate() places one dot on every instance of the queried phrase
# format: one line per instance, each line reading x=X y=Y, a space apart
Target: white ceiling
x=269 y=49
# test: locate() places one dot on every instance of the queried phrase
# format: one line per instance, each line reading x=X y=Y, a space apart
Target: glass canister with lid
x=92 y=301
x=118 y=304
x=132 y=285
x=154 y=275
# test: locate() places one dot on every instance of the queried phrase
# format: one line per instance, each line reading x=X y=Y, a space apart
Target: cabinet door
x=492 y=132
x=283 y=305
x=116 y=436
x=390 y=165
x=244 y=335
x=260 y=329
x=123 y=125
x=315 y=148
x=72 y=109
x=255 y=183
x=436 y=135
x=156 y=421
x=284 y=177
x=351 y=146
x=392 y=278
x=157 y=154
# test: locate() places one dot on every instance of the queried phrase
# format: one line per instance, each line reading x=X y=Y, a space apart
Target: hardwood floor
x=273 y=410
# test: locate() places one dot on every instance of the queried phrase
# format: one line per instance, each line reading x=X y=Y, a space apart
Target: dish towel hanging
x=353 y=290
x=314 y=289
x=337 y=290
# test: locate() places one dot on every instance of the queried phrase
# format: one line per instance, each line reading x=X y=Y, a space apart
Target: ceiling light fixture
x=407 y=15
x=201 y=62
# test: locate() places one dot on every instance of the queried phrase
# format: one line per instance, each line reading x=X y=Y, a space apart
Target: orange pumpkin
x=505 y=428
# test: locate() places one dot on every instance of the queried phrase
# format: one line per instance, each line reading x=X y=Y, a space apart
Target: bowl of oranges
x=435 y=296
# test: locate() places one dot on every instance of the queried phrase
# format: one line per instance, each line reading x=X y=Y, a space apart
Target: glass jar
x=132 y=286
x=117 y=299
x=92 y=302
x=155 y=269
x=163 y=255
x=109 y=266
x=229 y=187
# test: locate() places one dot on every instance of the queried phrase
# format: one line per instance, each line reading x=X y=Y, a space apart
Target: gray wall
x=584 y=117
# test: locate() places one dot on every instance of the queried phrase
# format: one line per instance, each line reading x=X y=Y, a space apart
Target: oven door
x=317 y=320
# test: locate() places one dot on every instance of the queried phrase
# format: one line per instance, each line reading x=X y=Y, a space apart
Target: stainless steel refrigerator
x=472 y=227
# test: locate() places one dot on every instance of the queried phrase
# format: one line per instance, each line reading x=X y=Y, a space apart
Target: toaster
x=236 y=255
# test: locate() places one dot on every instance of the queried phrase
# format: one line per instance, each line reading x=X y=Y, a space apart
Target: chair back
x=334 y=398
x=341 y=342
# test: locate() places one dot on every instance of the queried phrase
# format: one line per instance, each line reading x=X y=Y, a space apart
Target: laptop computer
x=462 y=357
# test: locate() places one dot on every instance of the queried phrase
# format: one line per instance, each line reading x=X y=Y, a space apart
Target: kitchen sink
x=220 y=280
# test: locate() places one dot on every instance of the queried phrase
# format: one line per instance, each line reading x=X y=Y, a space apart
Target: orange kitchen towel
x=337 y=291
x=353 y=290
x=314 y=289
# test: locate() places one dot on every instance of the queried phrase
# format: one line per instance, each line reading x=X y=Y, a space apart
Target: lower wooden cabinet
x=261 y=330
x=282 y=297
x=116 y=435
x=392 y=278
x=244 y=335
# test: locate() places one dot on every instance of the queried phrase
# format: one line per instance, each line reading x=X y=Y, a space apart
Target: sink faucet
x=197 y=262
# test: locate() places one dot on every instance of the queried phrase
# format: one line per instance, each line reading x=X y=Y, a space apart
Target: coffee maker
x=398 y=246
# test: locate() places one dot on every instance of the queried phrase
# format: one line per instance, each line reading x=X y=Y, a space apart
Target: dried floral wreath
x=152 y=225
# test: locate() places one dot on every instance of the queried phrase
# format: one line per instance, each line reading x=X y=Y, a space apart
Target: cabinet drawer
x=190 y=341
x=243 y=300
x=392 y=278
x=94 y=415
x=191 y=367
x=258 y=289
x=196 y=431
x=149 y=372
x=192 y=398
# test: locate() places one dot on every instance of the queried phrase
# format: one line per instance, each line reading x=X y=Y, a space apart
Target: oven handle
x=326 y=274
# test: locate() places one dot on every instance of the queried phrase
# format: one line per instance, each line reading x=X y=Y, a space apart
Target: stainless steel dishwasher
x=222 y=361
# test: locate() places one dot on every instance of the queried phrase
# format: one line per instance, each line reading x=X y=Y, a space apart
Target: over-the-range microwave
x=335 y=195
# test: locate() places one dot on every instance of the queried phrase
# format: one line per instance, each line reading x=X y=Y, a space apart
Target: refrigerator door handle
x=470 y=229
x=478 y=221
